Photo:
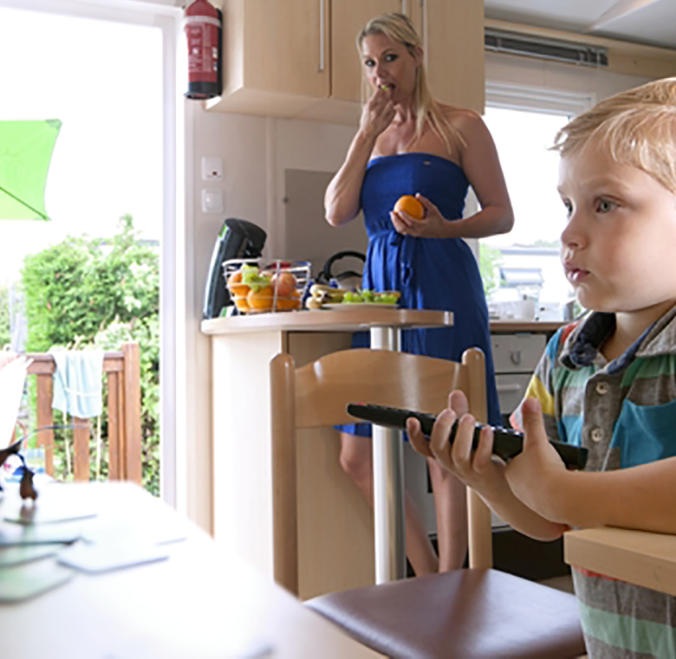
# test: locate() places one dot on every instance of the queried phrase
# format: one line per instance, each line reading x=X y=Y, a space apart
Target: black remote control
x=506 y=442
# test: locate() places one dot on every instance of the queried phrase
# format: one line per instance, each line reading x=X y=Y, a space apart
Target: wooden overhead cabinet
x=452 y=32
x=275 y=56
x=298 y=58
x=348 y=17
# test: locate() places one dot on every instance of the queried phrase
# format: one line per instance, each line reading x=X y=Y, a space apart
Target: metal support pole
x=388 y=484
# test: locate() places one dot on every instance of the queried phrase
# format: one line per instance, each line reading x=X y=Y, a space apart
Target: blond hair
x=399 y=28
x=637 y=127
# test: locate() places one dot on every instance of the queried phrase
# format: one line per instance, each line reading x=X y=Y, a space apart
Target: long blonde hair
x=399 y=28
x=637 y=127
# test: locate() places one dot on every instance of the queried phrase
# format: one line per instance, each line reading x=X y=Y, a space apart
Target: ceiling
x=643 y=21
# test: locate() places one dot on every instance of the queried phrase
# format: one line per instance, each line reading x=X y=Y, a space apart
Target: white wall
x=256 y=151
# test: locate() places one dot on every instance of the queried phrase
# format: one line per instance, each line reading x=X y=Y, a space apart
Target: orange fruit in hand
x=411 y=206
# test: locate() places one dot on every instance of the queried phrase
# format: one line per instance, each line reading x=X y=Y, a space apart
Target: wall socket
x=212 y=168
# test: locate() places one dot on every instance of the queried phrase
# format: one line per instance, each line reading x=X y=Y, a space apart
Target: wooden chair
x=478 y=612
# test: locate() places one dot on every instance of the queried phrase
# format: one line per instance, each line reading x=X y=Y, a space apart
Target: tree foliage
x=490 y=259
x=101 y=292
x=80 y=286
x=5 y=336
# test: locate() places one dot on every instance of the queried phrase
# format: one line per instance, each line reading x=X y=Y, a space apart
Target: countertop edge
x=342 y=321
x=328 y=321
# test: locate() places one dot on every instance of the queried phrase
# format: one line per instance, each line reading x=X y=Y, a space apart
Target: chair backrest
x=317 y=394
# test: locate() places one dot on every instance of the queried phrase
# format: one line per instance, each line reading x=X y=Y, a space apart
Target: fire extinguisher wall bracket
x=203 y=31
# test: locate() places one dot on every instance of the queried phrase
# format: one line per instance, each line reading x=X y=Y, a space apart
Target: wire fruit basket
x=258 y=286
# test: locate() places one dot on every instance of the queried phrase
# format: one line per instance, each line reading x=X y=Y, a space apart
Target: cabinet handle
x=403 y=6
x=515 y=357
x=505 y=388
x=322 y=37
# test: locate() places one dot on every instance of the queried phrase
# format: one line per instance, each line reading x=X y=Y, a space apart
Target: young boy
x=607 y=382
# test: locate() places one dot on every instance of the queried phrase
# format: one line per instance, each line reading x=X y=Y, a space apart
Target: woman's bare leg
x=356 y=461
x=450 y=501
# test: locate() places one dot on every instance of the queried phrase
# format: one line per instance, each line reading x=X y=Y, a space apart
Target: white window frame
x=537 y=99
x=161 y=14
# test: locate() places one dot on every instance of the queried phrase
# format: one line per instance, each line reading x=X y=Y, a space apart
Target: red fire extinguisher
x=203 y=33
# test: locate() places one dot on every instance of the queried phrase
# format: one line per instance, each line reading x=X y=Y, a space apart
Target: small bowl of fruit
x=324 y=297
x=273 y=286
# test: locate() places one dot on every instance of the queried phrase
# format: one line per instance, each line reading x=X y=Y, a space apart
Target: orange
x=411 y=206
x=241 y=303
x=240 y=290
x=260 y=300
x=235 y=285
x=287 y=304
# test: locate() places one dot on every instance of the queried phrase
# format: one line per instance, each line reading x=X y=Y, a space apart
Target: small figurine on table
x=26 y=488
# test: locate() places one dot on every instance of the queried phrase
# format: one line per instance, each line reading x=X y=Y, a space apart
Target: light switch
x=212 y=168
x=212 y=201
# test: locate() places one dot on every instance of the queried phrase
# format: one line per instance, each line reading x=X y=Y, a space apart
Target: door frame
x=168 y=19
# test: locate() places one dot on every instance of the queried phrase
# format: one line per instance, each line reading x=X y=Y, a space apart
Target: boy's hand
x=478 y=469
x=535 y=475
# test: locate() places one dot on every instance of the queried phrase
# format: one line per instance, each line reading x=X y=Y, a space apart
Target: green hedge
x=101 y=292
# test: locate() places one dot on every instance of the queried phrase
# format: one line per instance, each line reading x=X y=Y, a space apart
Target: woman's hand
x=476 y=468
x=432 y=225
x=377 y=114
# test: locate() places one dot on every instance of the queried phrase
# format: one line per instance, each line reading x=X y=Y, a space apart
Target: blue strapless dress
x=431 y=273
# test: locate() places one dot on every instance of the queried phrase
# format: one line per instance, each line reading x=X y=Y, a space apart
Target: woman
x=408 y=144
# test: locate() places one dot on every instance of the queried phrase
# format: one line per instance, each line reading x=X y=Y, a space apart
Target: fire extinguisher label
x=202 y=34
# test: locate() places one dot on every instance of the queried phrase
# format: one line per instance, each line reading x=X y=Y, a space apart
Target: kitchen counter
x=335 y=523
x=530 y=326
x=357 y=319
x=349 y=320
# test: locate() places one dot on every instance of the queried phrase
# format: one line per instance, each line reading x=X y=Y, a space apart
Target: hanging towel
x=78 y=382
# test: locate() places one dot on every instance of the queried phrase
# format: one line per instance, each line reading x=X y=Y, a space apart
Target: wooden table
x=242 y=347
x=638 y=557
x=202 y=602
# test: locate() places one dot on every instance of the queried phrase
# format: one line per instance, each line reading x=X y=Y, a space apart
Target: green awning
x=25 y=155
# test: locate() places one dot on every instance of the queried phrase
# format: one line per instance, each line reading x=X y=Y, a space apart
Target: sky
x=103 y=80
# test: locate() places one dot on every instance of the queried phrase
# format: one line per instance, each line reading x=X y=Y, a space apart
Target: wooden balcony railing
x=123 y=371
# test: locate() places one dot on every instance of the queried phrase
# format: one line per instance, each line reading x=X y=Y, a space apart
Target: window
x=525 y=262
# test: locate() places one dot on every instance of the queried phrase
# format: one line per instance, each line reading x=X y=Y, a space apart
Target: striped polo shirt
x=624 y=413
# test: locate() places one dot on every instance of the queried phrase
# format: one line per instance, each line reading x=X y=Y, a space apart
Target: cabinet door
x=285 y=46
x=453 y=38
x=347 y=19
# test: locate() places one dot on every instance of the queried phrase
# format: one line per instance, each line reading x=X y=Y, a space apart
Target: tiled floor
x=564 y=583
